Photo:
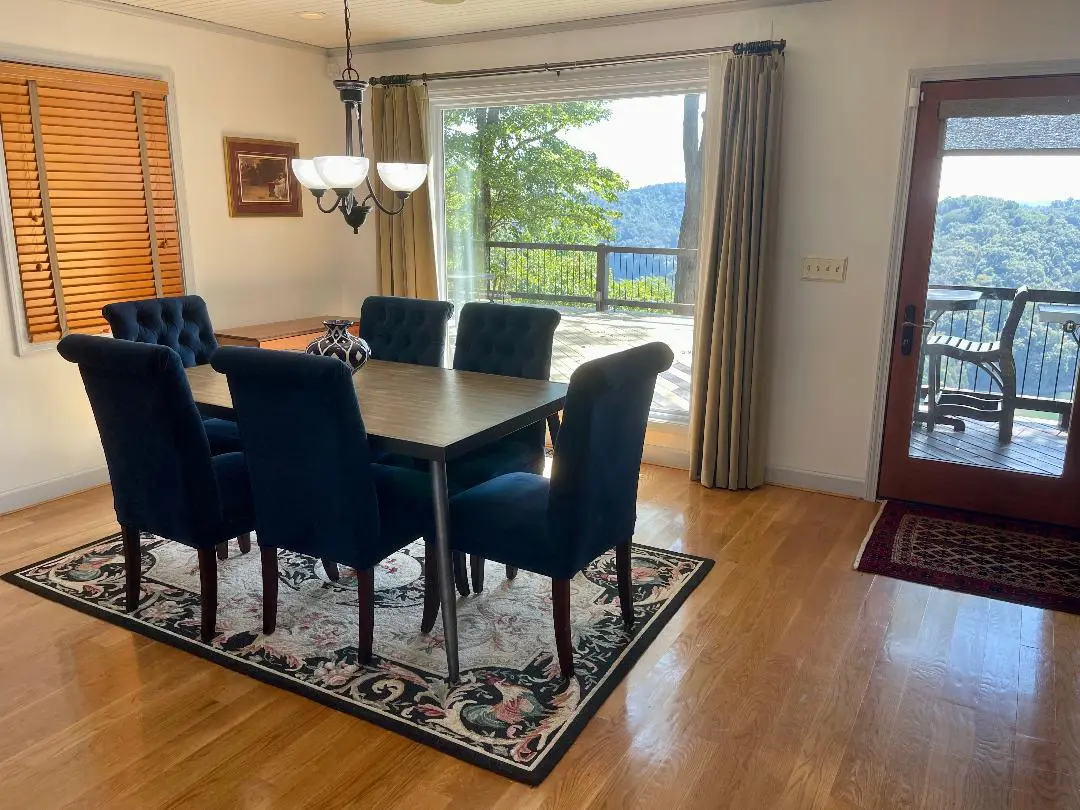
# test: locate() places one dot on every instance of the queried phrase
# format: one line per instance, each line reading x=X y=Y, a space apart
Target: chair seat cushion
x=406 y=507
x=500 y=458
x=234 y=486
x=506 y=520
x=223 y=435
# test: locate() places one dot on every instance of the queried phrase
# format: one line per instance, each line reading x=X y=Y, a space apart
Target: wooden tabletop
x=428 y=413
x=279 y=329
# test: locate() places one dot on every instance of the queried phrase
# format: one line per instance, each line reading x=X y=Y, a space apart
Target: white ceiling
x=376 y=21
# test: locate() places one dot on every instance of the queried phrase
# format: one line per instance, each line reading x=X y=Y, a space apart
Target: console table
x=288 y=335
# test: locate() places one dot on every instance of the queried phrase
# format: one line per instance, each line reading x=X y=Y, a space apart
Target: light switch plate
x=815 y=268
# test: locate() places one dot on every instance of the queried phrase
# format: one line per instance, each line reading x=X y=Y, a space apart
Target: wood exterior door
x=983 y=368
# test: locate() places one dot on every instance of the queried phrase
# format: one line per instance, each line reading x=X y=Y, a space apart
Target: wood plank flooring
x=1037 y=446
x=786 y=681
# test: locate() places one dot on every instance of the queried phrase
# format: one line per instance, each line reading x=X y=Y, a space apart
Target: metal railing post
x=601 y=278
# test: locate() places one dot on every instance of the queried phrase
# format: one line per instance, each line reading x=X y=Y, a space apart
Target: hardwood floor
x=786 y=680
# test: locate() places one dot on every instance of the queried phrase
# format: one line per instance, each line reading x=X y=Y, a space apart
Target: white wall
x=848 y=67
x=249 y=270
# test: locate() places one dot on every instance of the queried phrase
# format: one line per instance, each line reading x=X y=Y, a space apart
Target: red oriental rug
x=1029 y=563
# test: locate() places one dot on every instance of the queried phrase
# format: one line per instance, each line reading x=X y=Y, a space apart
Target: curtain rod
x=765 y=46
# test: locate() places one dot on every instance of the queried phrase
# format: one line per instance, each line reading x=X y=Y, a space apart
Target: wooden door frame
x=916 y=78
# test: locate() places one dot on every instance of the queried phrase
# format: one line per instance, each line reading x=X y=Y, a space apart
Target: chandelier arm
x=372 y=196
x=331 y=209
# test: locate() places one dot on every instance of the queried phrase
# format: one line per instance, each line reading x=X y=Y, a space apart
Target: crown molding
x=204 y=25
x=633 y=18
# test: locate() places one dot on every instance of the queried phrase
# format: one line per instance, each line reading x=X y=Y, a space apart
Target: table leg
x=447 y=597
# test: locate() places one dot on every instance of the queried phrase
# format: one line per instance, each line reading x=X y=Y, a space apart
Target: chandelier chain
x=349 y=73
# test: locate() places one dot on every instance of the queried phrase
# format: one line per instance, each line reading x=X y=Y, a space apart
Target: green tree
x=511 y=175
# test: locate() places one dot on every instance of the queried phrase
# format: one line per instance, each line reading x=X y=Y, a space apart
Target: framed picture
x=260 y=179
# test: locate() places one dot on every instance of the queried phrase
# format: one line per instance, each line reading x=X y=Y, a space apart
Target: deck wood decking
x=1038 y=447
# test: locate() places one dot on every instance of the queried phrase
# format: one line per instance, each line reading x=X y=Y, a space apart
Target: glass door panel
x=998 y=357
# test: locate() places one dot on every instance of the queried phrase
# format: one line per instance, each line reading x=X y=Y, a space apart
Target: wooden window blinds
x=90 y=176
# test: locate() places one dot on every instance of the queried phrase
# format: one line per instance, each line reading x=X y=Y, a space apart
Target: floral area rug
x=512 y=711
x=1029 y=563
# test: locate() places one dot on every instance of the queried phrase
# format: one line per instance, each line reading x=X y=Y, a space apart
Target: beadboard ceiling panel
x=380 y=21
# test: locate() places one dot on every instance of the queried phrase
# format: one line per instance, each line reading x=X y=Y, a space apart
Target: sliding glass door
x=591 y=206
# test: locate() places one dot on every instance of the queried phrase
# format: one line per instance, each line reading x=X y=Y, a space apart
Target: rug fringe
x=869 y=534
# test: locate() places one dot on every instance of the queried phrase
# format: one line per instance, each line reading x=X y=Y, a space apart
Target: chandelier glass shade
x=343 y=174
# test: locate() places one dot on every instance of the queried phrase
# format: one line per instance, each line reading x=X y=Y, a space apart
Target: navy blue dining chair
x=315 y=490
x=164 y=479
x=405 y=330
x=589 y=506
x=183 y=324
x=513 y=341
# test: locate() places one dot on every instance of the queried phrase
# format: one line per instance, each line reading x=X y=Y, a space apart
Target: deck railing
x=594 y=276
x=1046 y=357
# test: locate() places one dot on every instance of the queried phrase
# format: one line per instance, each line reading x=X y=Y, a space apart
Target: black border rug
x=1032 y=564
x=512 y=712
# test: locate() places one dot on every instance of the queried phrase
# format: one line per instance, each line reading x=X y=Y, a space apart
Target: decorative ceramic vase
x=339 y=342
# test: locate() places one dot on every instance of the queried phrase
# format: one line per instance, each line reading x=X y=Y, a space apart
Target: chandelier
x=343 y=174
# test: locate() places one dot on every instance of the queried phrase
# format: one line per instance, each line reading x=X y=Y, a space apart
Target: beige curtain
x=738 y=226
x=406 y=242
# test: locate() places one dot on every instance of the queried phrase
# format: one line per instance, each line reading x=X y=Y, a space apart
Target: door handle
x=907 y=335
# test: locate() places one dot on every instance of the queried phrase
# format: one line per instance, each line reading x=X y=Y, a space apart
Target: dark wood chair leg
x=511 y=572
x=626 y=590
x=270 y=588
x=431 y=586
x=132 y=568
x=223 y=550
x=244 y=541
x=461 y=575
x=476 y=567
x=208 y=595
x=560 y=602
x=365 y=587
x=331 y=570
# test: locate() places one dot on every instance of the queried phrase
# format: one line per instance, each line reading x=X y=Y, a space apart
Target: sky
x=642 y=140
x=1022 y=178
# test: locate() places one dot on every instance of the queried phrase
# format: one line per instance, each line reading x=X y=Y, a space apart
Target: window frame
x=627 y=81
x=9 y=260
x=630 y=81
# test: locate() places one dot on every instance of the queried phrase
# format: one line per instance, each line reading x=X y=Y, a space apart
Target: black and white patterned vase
x=339 y=342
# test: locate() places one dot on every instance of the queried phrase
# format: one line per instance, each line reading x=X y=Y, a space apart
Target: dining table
x=429 y=413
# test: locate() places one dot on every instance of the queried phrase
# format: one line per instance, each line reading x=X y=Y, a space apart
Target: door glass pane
x=998 y=369
x=589 y=207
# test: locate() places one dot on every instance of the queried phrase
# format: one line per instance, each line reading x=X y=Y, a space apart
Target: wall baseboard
x=51 y=490
x=666 y=457
x=816 y=481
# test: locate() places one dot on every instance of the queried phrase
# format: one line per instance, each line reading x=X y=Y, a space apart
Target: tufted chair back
x=155 y=446
x=182 y=323
x=511 y=340
x=506 y=339
x=405 y=330
x=594 y=476
x=307 y=453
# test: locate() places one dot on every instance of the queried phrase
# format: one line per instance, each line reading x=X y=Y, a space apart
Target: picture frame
x=259 y=178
